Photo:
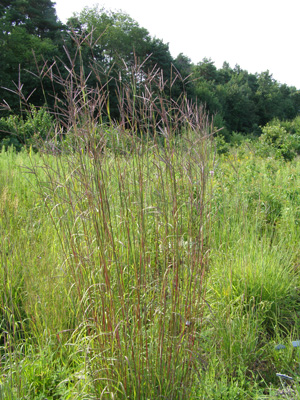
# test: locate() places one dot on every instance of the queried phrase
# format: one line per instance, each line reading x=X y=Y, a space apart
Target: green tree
x=185 y=82
x=37 y=16
x=117 y=46
x=205 y=75
x=225 y=73
x=184 y=65
x=208 y=94
x=238 y=106
x=30 y=34
x=267 y=98
x=206 y=70
x=119 y=38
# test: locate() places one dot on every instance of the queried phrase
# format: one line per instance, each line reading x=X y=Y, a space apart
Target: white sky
x=258 y=35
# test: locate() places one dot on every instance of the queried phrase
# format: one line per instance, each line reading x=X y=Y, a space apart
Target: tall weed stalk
x=130 y=203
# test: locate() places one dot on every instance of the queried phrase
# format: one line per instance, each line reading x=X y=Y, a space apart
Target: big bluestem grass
x=130 y=205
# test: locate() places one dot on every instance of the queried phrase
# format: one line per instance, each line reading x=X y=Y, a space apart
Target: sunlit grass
x=111 y=314
x=138 y=264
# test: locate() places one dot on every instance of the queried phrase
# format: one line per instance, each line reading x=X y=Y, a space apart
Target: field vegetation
x=145 y=259
x=149 y=246
x=120 y=279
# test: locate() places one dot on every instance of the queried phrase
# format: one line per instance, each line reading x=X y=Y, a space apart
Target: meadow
x=136 y=261
x=148 y=270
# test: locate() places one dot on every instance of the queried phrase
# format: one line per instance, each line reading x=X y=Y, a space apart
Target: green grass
x=135 y=262
x=111 y=268
x=138 y=264
x=121 y=279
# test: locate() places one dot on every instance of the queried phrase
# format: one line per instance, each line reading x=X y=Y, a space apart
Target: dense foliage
x=32 y=39
x=244 y=101
x=115 y=283
x=136 y=259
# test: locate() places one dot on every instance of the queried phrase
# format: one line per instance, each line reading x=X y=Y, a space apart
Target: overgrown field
x=163 y=272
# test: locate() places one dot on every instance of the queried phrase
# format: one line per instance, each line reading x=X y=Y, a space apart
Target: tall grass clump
x=28 y=281
x=253 y=285
x=130 y=202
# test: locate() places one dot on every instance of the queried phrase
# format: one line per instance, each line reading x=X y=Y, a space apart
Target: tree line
x=31 y=37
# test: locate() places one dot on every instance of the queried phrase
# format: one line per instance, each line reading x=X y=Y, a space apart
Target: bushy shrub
x=280 y=139
x=292 y=127
x=221 y=145
x=18 y=130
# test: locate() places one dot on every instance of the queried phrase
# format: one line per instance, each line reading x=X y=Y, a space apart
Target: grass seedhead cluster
x=130 y=205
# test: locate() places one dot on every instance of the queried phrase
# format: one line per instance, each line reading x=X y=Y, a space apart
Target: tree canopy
x=31 y=35
x=245 y=101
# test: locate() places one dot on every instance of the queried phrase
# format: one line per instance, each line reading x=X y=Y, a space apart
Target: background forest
x=33 y=40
